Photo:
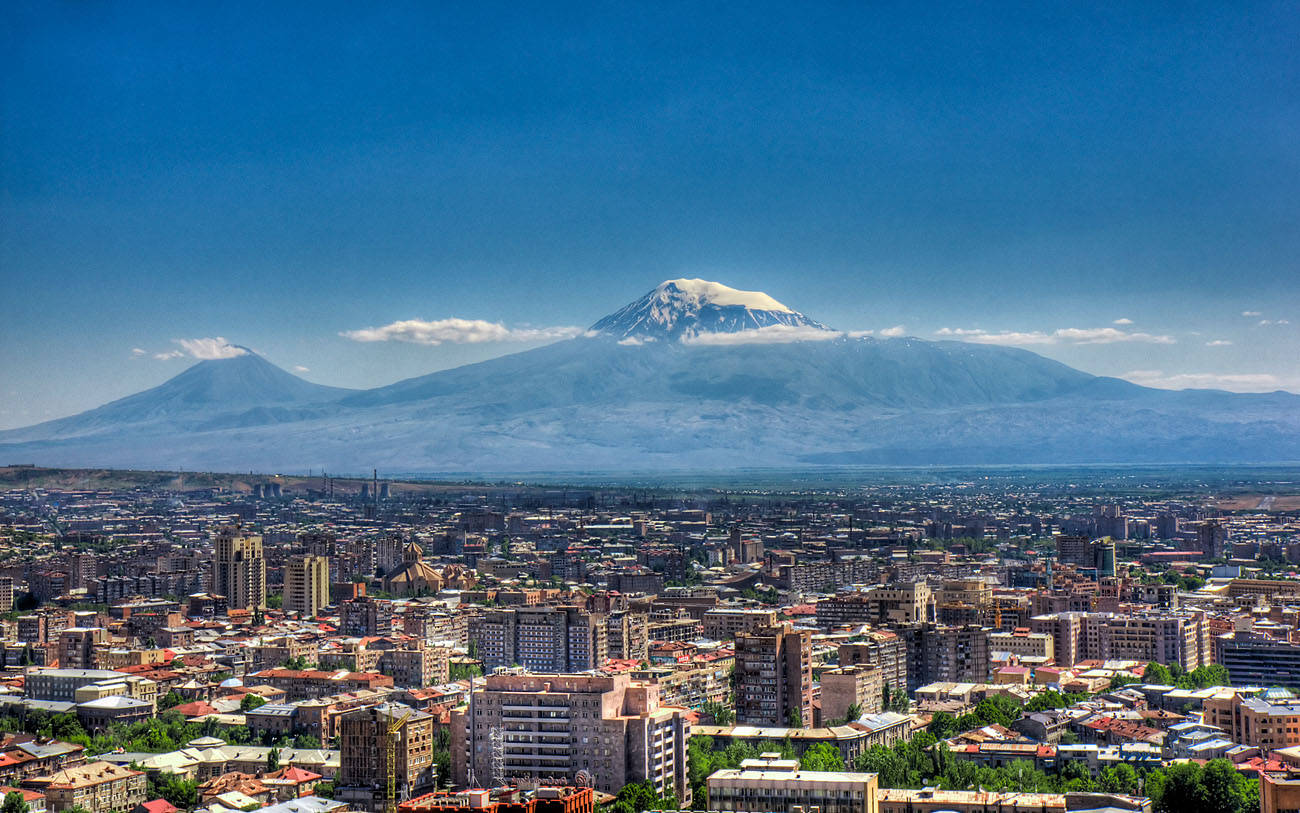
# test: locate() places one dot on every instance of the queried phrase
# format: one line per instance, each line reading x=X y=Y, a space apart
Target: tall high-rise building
x=307 y=584
x=364 y=740
x=543 y=639
x=604 y=730
x=1213 y=537
x=774 y=677
x=239 y=569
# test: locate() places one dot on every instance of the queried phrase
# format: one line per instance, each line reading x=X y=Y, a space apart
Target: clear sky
x=1116 y=186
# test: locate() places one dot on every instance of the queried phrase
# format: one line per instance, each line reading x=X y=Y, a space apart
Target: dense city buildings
x=526 y=643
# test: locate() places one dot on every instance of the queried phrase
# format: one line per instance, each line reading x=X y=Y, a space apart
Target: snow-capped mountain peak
x=682 y=307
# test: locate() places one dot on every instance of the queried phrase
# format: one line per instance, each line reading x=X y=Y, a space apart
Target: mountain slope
x=201 y=393
x=652 y=387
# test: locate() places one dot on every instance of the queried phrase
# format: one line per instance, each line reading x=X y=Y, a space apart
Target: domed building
x=417 y=577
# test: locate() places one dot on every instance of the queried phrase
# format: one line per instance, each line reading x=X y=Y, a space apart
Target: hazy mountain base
x=592 y=404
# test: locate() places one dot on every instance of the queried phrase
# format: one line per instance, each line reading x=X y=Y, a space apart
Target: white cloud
x=169 y=355
x=891 y=332
x=139 y=352
x=1122 y=321
x=858 y=334
x=1218 y=343
x=1251 y=313
x=457 y=331
x=1065 y=335
x=1236 y=382
x=772 y=334
x=210 y=348
x=298 y=368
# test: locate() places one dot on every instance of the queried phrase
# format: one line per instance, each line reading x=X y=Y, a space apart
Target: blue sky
x=277 y=176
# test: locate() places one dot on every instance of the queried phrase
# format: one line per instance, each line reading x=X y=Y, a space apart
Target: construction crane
x=391 y=730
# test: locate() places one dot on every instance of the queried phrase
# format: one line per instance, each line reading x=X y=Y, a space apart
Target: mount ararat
x=692 y=375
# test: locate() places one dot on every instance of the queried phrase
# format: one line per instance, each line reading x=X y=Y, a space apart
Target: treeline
x=167 y=732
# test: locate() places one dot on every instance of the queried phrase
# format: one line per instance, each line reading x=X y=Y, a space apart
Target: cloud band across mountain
x=1067 y=335
x=457 y=331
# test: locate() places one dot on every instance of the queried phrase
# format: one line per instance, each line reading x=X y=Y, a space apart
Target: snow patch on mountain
x=680 y=308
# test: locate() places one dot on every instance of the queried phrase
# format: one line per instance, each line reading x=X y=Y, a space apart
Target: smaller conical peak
x=683 y=308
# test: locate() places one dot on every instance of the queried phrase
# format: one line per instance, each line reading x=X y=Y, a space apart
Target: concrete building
x=239 y=569
x=365 y=616
x=905 y=603
x=1255 y=659
x=774 y=676
x=770 y=783
x=542 y=639
x=850 y=686
x=1264 y=724
x=938 y=653
x=1023 y=643
x=306 y=584
x=1163 y=637
x=547 y=729
x=722 y=623
x=627 y=632
x=99 y=787
x=882 y=649
x=63 y=685
x=77 y=646
x=363 y=756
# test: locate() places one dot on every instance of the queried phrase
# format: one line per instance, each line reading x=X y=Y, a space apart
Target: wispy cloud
x=1251 y=313
x=1266 y=322
x=1236 y=382
x=298 y=368
x=215 y=347
x=1065 y=335
x=210 y=348
x=1218 y=343
x=892 y=332
x=457 y=331
x=1124 y=320
x=772 y=334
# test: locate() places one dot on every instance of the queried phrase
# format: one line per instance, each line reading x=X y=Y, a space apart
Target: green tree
x=795 y=719
x=273 y=760
x=1121 y=778
x=943 y=725
x=14 y=803
x=170 y=701
x=1157 y=675
x=720 y=713
x=822 y=757
x=250 y=702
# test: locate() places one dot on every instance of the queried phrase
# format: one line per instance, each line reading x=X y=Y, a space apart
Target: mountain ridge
x=643 y=392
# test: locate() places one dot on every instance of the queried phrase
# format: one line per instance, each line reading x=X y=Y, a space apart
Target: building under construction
x=385 y=756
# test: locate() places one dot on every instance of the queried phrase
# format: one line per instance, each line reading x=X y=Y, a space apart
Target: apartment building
x=543 y=729
x=904 y=603
x=882 y=649
x=304 y=684
x=365 y=616
x=848 y=687
x=627 y=632
x=1181 y=638
x=1024 y=644
x=306 y=585
x=43 y=683
x=77 y=646
x=774 y=676
x=771 y=783
x=938 y=653
x=239 y=568
x=1264 y=724
x=99 y=787
x=364 y=737
x=722 y=623
x=543 y=639
x=1256 y=659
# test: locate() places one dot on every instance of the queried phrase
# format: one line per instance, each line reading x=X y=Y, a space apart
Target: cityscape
x=1035 y=639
